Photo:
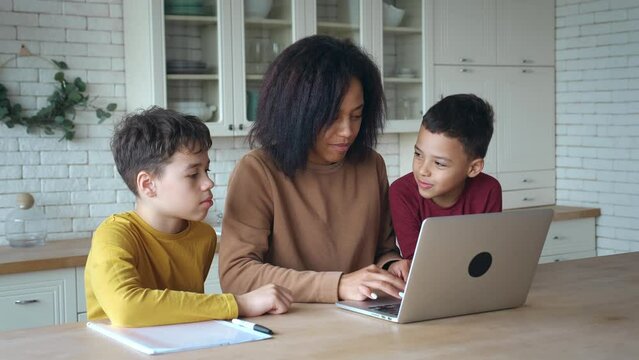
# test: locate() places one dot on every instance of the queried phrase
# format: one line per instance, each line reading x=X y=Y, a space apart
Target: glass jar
x=26 y=224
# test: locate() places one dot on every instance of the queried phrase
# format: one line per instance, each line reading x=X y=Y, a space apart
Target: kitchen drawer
x=527 y=198
x=569 y=256
x=570 y=236
x=82 y=300
x=212 y=282
x=527 y=180
x=37 y=298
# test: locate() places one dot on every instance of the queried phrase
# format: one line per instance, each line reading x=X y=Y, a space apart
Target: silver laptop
x=467 y=264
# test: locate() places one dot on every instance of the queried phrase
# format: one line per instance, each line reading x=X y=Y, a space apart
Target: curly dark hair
x=302 y=92
x=146 y=140
x=465 y=117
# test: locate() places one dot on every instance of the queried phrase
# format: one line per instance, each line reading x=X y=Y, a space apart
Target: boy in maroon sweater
x=447 y=176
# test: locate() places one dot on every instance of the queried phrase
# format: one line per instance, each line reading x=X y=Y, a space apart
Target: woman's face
x=334 y=140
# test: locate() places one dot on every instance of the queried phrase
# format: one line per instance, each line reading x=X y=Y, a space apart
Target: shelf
x=402 y=30
x=203 y=20
x=192 y=77
x=254 y=77
x=337 y=26
x=268 y=23
x=399 y=80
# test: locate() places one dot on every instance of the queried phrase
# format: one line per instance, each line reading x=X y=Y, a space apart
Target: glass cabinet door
x=404 y=63
x=340 y=19
x=268 y=29
x=191 y=36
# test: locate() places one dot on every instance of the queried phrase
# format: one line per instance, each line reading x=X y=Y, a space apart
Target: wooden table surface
x=576 y=309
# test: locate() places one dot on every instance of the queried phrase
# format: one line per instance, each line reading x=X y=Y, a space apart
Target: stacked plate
x=187 y=7
x=186 y=67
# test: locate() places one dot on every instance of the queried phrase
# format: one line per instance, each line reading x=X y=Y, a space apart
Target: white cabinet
x=569 y=239
x=494 y=32
x=502 y=50
x=216 y=56
x=37 y=299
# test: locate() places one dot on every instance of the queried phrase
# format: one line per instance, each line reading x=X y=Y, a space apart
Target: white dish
x=406 y=76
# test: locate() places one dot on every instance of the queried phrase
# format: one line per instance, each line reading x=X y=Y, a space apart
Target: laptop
x=466 y=264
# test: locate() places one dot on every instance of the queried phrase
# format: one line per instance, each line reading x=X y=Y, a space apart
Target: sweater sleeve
x=245 y=246
x=405 y=215
x=117 y=285
x=386 y=247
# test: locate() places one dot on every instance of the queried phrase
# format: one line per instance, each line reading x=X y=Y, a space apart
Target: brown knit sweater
x=303 y=233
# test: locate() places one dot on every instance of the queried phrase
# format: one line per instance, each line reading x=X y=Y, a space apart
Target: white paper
x=179 y=337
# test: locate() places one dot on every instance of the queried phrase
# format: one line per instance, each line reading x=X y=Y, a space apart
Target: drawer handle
x=526 y=61
x=526 y=181
x=463 y=70
x=556 y=237
x=526 y=71
x=529 y=199
x=26 y=302
x=461 y=59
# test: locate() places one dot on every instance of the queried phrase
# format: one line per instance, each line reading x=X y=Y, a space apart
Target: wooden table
x=585 y=308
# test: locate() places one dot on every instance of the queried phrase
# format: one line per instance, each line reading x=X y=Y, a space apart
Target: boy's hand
x=400 y=268
x=272 y=299
x=361 y=284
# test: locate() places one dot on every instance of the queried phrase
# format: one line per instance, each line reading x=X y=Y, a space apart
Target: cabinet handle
x=463 y=70
x=231 y=127
x=241 y=126
x=463 y=60
x=526 y=71
x=26 y=302
x=526 y=61
x=528 y=199
x=526 y=181
x=556 y=237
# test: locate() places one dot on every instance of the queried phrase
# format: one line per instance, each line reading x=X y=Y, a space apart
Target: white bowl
x=392 y=16
x=257 y=8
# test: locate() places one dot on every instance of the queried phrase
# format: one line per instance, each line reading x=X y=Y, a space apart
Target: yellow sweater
x=138 y=276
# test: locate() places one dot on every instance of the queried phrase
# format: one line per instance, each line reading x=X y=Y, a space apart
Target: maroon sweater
x=482 y=194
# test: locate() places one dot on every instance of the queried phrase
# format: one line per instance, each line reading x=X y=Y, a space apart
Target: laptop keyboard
x=392 y=309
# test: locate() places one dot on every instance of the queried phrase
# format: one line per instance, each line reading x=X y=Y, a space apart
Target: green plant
x=60 y=113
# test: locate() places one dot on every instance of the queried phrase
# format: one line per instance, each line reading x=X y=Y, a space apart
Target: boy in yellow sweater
x=147 y=267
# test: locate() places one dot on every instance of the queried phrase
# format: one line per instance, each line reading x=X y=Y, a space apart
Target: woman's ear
x=476 y=166
x=145 y=184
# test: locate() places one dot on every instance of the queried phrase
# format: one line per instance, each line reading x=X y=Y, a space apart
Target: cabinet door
x=342 y=19
x=480 y=81
x=464 y=32
x=263 y=29
x=37 y=299
x=403 y=63
x=526 y=119
x=525 y=32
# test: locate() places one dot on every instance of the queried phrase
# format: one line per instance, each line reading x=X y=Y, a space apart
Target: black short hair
x=146 y=140
x=302 y=92
x=465 y=117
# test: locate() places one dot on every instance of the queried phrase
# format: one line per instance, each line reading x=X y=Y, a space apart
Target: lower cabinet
x=38 y=298
x=569 y=239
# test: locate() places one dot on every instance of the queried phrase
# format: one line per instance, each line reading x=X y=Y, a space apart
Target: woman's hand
x=400 y=268
x=363 y=283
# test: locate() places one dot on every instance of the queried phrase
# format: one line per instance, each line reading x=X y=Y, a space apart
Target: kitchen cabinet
x=503 y=51
x=38 y=298
x=494 y=32
x=569 y=239
x=211 y=61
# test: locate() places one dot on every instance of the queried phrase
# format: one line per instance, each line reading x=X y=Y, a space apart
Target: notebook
x=179 y=337
x=467 y=264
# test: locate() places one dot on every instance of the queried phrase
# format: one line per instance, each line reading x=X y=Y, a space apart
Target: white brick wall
x=76 y=181
x=597 y=51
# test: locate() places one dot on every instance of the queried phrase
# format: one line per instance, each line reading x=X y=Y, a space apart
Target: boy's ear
x=476 y=166
x=145 y=184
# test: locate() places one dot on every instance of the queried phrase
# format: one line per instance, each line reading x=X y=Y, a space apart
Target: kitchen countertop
x=71 y=253
x=579 y=309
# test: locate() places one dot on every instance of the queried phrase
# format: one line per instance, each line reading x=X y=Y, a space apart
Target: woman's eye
x=417 y=154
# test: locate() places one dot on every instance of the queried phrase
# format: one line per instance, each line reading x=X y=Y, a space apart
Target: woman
x=309 y=209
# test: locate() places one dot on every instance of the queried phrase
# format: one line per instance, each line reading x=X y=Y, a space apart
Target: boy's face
x=441 y=166
x=183 y=190
x=333 y=141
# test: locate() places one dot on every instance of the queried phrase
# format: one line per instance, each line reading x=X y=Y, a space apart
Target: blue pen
x=252 y=326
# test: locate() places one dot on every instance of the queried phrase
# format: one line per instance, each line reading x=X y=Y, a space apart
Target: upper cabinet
x=494 y=32
x=208 y=57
